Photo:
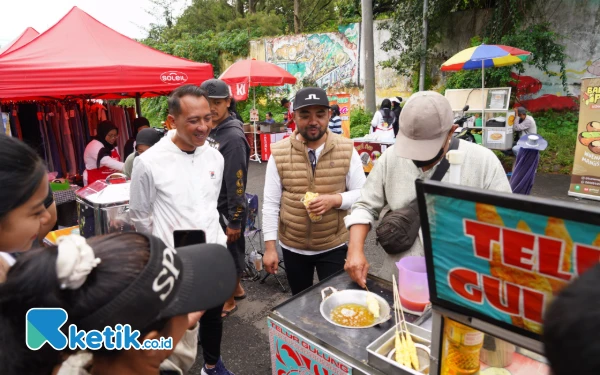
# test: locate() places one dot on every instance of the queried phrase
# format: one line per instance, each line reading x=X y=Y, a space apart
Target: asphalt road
x=245 y=346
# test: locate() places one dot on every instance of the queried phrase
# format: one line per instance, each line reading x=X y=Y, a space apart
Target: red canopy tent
x=27 y=36
x=81 y=57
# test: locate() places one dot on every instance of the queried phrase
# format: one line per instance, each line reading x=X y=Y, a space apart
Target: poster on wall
x=343 y=101
x=585 y=178
x=292 y=354
x=369 y=153
x=501 y=257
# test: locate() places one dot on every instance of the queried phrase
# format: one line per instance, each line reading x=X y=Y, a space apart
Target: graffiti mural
x=329 y=59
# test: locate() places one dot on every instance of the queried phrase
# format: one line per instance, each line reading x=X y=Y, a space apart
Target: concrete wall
x=336 y=60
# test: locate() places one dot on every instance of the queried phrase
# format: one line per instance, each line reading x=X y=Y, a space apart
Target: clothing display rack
x=59 y=130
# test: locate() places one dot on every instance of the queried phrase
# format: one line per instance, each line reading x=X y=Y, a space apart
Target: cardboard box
x=271 y=128
x=249 y=128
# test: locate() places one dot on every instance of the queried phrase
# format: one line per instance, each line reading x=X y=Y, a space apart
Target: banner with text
x=343 y=101
x=505 y=264
x=585 y=178
x=292 y=354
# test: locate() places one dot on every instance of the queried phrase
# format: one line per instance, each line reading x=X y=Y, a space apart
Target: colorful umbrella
x=485 y=56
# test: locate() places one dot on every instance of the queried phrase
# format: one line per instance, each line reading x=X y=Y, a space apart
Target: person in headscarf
x=101 y=156
x=139 y=124
x=383 y=121
x=145 y=139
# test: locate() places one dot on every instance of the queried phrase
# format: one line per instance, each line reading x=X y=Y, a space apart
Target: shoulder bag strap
x=441 y=170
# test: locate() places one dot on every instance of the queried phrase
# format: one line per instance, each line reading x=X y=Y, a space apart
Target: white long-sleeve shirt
x=355 y=179
x=172 y=190
x=90 y=158
x=528 y=125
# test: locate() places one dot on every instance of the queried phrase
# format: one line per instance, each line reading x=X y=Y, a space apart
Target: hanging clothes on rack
x=54 y=127
x=14 y=121
x=52 y=145
x=5 y=127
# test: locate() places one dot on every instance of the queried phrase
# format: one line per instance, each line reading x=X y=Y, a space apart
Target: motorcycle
x=463 y=132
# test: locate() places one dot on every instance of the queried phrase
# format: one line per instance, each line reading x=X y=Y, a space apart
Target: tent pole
x=255 y=157
x=482 y=93
x=138 y=106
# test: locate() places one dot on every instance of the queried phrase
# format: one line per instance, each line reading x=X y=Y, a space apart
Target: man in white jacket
x=175 y=185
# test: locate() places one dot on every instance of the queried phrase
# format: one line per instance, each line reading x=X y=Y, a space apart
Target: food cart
x=103 y=207
x=494 y=263
x=491 y=125
x=370 y=148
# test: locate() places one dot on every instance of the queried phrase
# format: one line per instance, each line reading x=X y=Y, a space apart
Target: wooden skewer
x=395 y=309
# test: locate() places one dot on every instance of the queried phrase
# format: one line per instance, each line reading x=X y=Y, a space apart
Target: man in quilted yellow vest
x=313 y=160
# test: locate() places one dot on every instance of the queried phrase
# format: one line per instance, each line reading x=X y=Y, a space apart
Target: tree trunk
x=252 y=6
x=297 y=24
x=240 y=7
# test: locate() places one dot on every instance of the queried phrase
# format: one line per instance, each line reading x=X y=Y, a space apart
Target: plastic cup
x=412 y=283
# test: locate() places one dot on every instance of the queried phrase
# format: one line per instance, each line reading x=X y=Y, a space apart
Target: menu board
x=585 y=178
x=503 y=257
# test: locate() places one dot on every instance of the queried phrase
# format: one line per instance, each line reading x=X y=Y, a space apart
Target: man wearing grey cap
x=425 y=132
x=524 y=125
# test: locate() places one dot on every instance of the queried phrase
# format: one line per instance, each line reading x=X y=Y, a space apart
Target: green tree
x=511 y=22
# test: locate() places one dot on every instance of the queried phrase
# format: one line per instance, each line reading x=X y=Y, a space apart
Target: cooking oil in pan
x=352 y=315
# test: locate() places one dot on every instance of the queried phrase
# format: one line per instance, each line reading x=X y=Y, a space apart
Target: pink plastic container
x=412 y=283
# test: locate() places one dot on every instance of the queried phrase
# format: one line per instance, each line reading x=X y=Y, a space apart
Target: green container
x=477 y=138
x=478 y=122
x=58 y=185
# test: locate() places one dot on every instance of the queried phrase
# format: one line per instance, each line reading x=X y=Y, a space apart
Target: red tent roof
x=80 y=56
x=27 y=36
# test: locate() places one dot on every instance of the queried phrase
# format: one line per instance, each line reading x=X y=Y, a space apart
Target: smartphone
x=183 y=238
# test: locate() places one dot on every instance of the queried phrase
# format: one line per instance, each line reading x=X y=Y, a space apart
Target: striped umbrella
x=485 y=56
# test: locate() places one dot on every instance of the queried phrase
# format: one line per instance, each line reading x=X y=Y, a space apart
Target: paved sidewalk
x=245 y=347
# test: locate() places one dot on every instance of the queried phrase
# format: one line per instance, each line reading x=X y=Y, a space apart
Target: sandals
x=226 y=313
x=237 y=298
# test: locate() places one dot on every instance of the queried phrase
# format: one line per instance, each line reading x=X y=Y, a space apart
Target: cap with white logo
x=311 y=96
x=174 y=282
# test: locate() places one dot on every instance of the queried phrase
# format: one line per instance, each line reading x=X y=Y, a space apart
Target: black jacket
x=228 y=137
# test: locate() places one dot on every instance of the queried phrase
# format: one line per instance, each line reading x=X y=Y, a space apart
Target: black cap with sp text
x=173 y=282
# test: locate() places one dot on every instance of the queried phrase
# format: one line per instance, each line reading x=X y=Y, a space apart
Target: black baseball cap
x=311 y=96
x=216 y=89
x=174 y=282
x=148 y=137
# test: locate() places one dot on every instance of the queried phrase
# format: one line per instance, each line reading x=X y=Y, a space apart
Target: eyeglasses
x=112 y=136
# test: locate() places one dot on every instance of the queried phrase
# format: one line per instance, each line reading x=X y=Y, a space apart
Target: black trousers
x=301 y=268
x=211 y=332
